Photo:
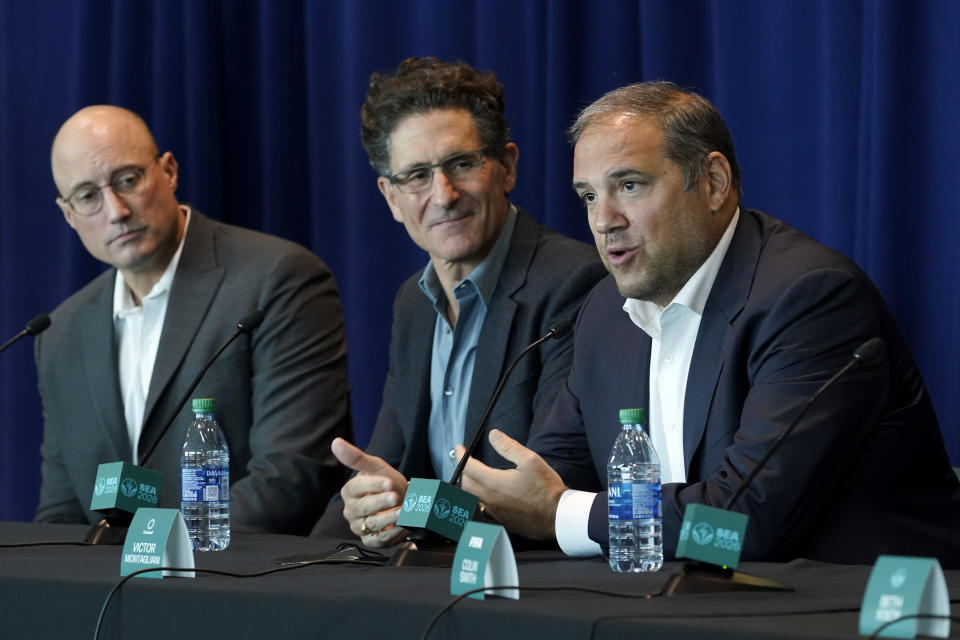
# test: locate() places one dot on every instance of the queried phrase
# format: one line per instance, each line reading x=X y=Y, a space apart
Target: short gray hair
x=691 y=125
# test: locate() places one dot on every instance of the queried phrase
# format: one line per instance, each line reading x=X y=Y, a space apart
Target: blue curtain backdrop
x=846 y=118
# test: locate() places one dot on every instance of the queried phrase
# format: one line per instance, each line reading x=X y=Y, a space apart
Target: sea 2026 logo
x=128 y=487
x=410 y=501
x=702 y=533
x=442 y=508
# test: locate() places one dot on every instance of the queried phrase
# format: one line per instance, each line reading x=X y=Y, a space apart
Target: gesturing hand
x=524 y=499
x=371 y=498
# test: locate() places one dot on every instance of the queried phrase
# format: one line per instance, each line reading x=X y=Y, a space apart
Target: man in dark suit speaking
x=496 y=281
x=723 y=322
x=122 y=350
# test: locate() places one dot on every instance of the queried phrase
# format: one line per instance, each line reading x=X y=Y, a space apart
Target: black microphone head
x=250 y=321
x=561 y=329
x=870 y=352
x=38 y=325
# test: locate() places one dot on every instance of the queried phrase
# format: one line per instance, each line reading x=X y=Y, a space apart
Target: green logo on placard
x=410 y=501
x=128 y=487
x=437 y=506
x=442 y=508
x=702 y=533
x=121 y=485
x=711 y=535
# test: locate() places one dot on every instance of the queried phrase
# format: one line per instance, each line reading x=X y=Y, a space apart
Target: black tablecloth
x=48 y=592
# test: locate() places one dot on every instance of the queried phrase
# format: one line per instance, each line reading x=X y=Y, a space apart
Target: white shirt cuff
x=573 y=516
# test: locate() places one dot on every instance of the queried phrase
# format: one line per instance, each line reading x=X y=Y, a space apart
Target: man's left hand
x=523 y=499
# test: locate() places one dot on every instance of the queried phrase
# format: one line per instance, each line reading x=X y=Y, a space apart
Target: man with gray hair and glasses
x=122 y=351
x=496 y=281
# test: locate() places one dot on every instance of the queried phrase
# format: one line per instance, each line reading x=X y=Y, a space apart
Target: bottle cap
x=204 y=405
x=627 y=416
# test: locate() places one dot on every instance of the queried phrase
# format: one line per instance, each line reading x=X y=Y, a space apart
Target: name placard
x=484 y=558
x=712 y=535
x=437 y=506
x=125 y=486
x=157 y=538
x=900 y=586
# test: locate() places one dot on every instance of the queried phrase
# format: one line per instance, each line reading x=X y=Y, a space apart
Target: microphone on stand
x=35 y=327
x=705 y=574
x=436 y=511
x=121 y=488
x=558 y=332
x=869 y=353
x=247 y=324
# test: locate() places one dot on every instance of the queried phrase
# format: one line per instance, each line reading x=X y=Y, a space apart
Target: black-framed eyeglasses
x=459 y=166
x=126 y=182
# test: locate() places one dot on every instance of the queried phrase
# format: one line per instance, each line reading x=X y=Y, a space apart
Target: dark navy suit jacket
x=865 y=472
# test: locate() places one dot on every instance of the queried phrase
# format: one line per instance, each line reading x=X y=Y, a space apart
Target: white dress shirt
x=673 y=333
x=137 y=335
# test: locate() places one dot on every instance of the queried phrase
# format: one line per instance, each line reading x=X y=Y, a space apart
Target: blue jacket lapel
x=727 y=299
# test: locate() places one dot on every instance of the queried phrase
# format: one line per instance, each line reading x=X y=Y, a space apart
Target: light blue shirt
x=455 y=349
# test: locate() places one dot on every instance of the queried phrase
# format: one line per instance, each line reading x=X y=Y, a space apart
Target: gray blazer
x=282 y=392
x=544 y=279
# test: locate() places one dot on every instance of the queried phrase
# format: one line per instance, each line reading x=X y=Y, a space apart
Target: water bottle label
x=634 y=501
x=204 y=485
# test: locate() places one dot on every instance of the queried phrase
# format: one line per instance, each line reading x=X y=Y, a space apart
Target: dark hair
x=691 y=125
x=420 y=85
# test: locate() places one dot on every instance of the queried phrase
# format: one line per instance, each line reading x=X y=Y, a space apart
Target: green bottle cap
x=627 y=416
x=204 y=405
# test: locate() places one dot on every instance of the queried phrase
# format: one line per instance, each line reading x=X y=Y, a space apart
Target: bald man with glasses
x=121 y=351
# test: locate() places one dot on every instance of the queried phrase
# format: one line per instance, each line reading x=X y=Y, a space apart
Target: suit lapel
x=100 y=365
x=495 y=334
x=194 y=286
x=490 y=360
x=727 y=299
x=414 y=400
x=705 y=367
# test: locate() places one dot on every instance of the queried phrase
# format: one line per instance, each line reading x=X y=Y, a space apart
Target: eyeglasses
x=459 y=166
x=87 y=199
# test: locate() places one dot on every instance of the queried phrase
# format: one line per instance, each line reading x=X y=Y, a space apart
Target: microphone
x=870 y=352
x=250 y=321
x=121 y=488
x=35 y=327
x=703 y=524
x=557 y=331
x=437 y=508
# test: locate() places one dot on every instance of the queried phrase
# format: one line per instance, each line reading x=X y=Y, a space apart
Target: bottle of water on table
x=633 y=485
x=205 y=480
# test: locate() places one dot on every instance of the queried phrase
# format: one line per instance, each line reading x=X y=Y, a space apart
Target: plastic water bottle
x=633 y=485
x=205 y=480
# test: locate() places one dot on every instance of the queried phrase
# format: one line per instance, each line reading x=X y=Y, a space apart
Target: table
x=49 y=592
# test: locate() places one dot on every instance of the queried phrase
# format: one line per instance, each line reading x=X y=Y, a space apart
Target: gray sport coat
x=282 y=392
